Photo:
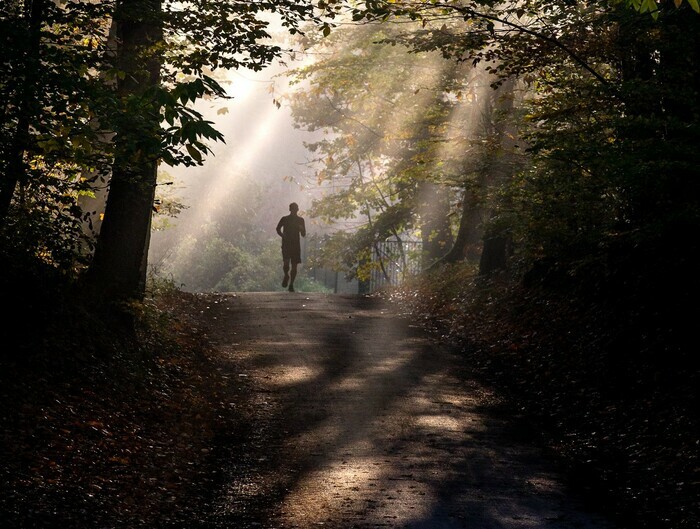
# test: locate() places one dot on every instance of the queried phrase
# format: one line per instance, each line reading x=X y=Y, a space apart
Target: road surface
x=355 y=418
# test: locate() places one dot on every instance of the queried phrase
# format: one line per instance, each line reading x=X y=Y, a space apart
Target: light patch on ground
x=544 y=483
x=349 y=383
x=295 y=375
x=388 y=365
x=356 y=488
x=440 y=422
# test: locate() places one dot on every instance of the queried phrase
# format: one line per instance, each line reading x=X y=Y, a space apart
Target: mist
x=243 y=187
x=224 y=239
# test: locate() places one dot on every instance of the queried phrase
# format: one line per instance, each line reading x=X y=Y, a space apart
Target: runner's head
x=293 y=207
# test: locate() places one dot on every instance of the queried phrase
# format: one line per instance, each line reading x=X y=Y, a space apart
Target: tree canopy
x=578 y=160
x=608 y=122
x=78 y=111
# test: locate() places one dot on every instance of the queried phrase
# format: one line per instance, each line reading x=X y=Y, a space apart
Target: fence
x=331 y=279
x=393 y=261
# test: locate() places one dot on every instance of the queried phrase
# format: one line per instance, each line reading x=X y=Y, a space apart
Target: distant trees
x=230 y=247
x=609 y=124
x=400 y=151
x=98 y=94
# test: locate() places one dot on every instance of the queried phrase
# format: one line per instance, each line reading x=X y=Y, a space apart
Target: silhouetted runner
x=290 y=227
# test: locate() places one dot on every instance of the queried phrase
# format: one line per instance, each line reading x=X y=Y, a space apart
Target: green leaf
x=194 y=153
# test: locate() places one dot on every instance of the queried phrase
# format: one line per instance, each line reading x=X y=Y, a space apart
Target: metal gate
x=393 y=261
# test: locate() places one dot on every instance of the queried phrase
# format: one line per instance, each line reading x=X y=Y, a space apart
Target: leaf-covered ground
x=609 y=392
x=102 y=431
x=120 y=434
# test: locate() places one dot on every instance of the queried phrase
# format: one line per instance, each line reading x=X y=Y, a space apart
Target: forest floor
x=296 y=410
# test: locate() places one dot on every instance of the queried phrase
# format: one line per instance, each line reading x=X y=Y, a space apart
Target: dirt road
x=356 y=419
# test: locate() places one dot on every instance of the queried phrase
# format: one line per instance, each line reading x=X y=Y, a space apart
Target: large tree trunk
x=494 y=255
x=16 y=169
x=472 y=242
x=434 y=205
x=118 y=268
x=467 y=243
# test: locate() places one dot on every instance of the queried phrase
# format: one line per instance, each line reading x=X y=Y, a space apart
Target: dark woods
x=582 y=174
x=553 y=152
x=96 y=96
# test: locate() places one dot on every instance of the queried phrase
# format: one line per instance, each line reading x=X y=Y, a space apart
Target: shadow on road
x=357 y=419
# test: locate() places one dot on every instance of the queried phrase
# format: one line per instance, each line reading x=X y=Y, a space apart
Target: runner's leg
x=285 y=268
x=292 y=276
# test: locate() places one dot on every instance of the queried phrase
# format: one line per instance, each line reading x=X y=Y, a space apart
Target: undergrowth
x=99 y=428
x=615 y=400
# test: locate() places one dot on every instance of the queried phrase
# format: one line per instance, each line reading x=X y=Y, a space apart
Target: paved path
x=356 y=419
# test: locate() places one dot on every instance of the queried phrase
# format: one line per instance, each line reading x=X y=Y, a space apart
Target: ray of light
x=232 y=161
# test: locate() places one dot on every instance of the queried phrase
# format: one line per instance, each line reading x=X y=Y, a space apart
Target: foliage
x=398 y=134
x=61 y=71
x=613 y=184
x=651 y=6
x=612 y=125
x=212 y=264
x=616 y=405
x=52 y=147
x=235 y=253
x=167 y=205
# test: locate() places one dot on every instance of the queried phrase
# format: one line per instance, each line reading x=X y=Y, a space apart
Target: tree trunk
x=495 y=167
x=118 y=268
x=16 y=169
x=494 y=255
x=468 y=239
x=435 y=227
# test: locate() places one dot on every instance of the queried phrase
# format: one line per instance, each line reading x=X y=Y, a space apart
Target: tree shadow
x=360 y=420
